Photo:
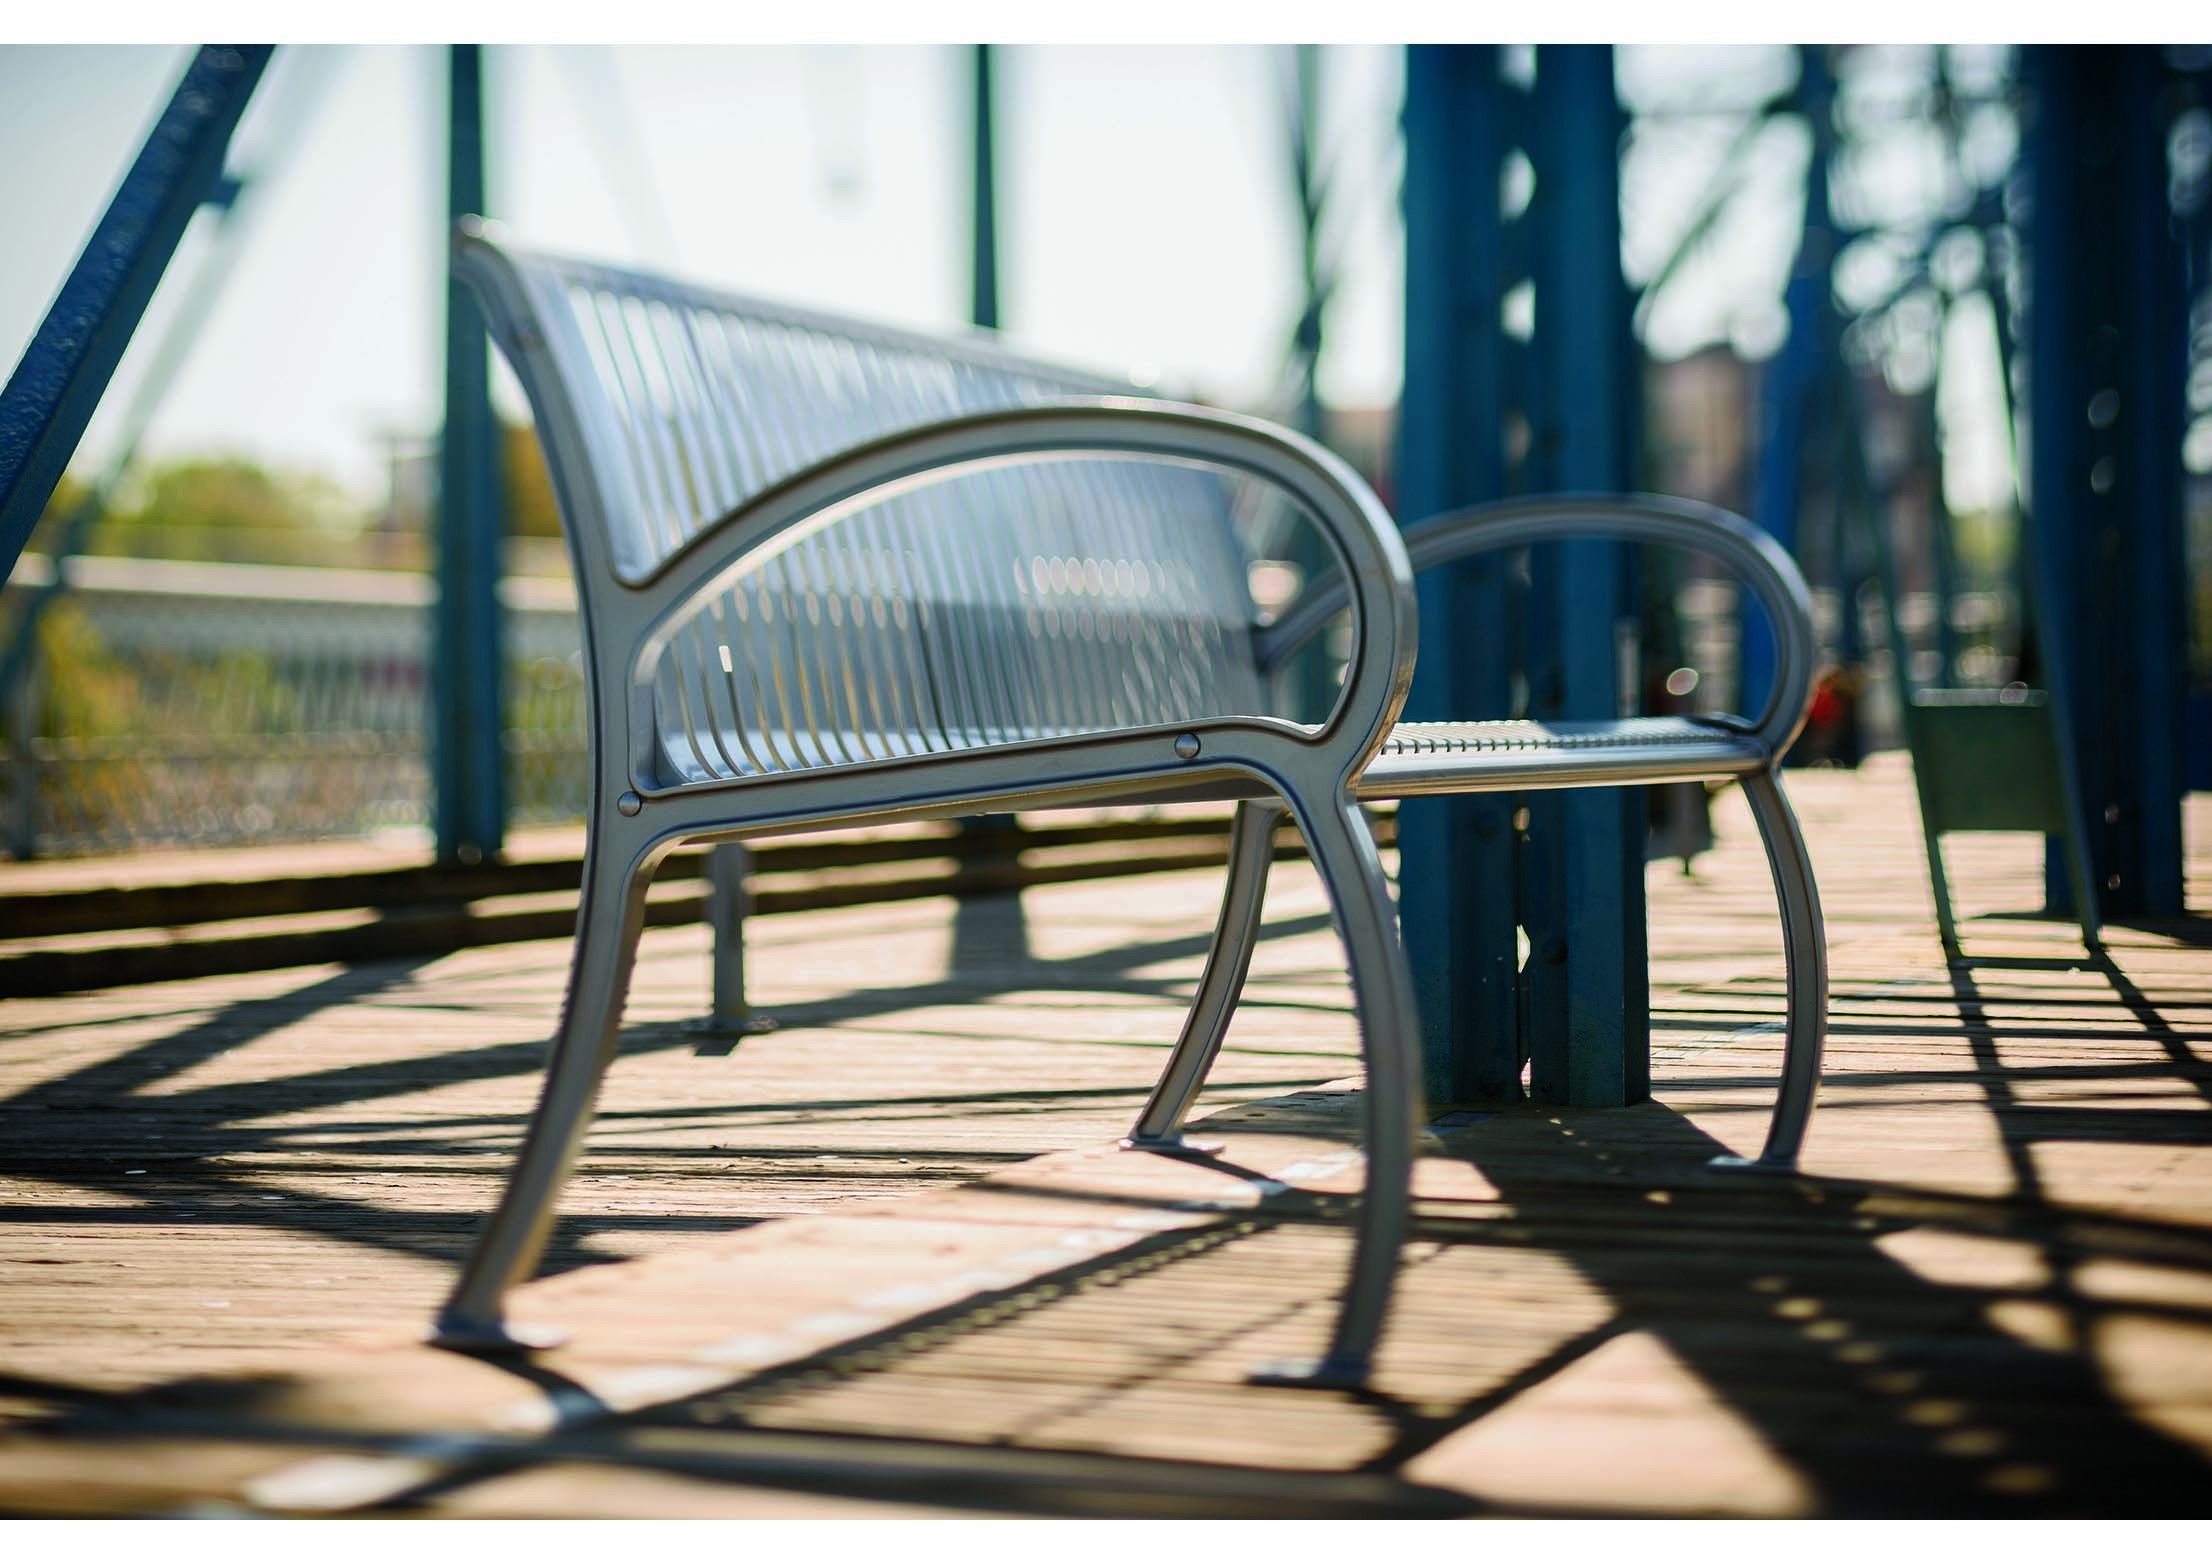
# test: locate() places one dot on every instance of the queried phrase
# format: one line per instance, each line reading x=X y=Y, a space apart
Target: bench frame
x=1772 y=577
x=1269 y=767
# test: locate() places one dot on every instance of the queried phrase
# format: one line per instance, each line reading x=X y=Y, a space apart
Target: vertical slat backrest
x=1052 y=598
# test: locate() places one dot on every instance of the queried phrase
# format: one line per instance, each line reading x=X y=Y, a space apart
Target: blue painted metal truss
x=51 y=396
x=2107 y=343
x=1489 y=412
x=468 y=717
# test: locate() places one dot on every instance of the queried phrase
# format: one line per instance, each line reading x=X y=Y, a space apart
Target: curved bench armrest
x=636 y=621
x=1755 y=557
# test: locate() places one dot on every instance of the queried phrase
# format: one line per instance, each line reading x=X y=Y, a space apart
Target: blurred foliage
x=94 y=692
x=100 y=695
x=531 y=509
x=212 y=508
x=136 y=725
x=235 y=510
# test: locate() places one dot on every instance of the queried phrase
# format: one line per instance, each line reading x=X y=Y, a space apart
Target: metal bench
x=833 y=573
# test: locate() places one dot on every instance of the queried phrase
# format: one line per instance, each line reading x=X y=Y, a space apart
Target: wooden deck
x=885 y=1259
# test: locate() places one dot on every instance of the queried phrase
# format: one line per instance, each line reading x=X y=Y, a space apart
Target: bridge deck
x=885 y=1258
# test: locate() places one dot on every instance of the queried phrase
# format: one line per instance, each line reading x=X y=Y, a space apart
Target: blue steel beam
x=983 y=303
x=1588 y=1024
x=63 y=373
x=1794 y=374
x=2145 y=849
x=1314 y=286
x=983 y=283
x=234 y=200
x=2193 y=202
x=2106 y=340
x=468 y=718
x=1470 y=879
x=1457 y=856
x=1312 y=678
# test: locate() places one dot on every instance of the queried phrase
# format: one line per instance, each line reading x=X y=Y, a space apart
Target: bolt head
x=1186 y=745
x=628 y=804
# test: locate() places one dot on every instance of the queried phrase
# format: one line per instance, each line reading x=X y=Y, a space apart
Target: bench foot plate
x=1334 y=1372
x=1175 y=1146
x=744 y=1026
x=1734 y=1164
x=493 y=1338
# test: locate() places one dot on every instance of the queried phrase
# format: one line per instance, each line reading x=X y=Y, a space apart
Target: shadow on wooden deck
x=1881 y=1391
x=1991 y=1294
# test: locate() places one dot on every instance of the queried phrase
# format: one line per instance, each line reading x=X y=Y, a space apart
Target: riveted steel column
x=51 y=395
x=468 y=717
x=1587 y=1025
x=1456 y=856
x=2107 y=335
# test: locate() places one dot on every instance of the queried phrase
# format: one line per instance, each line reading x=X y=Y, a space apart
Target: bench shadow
x=151 y=1149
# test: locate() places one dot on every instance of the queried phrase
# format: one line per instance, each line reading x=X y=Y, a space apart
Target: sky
x=1146 y=214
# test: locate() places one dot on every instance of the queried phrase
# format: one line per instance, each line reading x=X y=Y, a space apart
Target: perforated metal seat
x=1446 y=757
x=833 y=572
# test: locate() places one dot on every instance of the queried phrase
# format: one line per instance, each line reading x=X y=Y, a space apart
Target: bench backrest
x=1059 y=597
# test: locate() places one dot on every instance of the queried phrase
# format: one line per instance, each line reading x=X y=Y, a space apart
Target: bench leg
x=1947 y=928
x=1251 y=850
x=1805 y=957
x=731 y=1015
x=1343 y=849
x=608 y=923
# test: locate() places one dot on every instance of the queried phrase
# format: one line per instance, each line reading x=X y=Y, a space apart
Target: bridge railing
x=204 y=704
x=185 y=703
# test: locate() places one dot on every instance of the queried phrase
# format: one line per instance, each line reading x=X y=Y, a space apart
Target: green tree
x=227 y=508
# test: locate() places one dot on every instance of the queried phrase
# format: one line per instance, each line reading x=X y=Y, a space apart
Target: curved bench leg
x=1805 y=956
x=1343 y=850
x=608 y=922
x=1251 y=850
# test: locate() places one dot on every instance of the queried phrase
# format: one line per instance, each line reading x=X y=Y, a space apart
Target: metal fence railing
x=176 y=703
x=188 y=703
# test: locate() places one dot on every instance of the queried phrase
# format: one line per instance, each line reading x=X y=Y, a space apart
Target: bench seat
x=1459 y=757
x=1417 y=757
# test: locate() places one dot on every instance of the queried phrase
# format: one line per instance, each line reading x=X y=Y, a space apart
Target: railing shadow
x=1888 y=1392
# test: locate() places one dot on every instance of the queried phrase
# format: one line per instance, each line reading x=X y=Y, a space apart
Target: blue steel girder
x=1794 y=375
x=1587 y=1025
x=1458 y=856
x=2107 y=331
x=468 y=707
x=983 y=252
x=59 y=382
x=1470 y=879
x=983 y=289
